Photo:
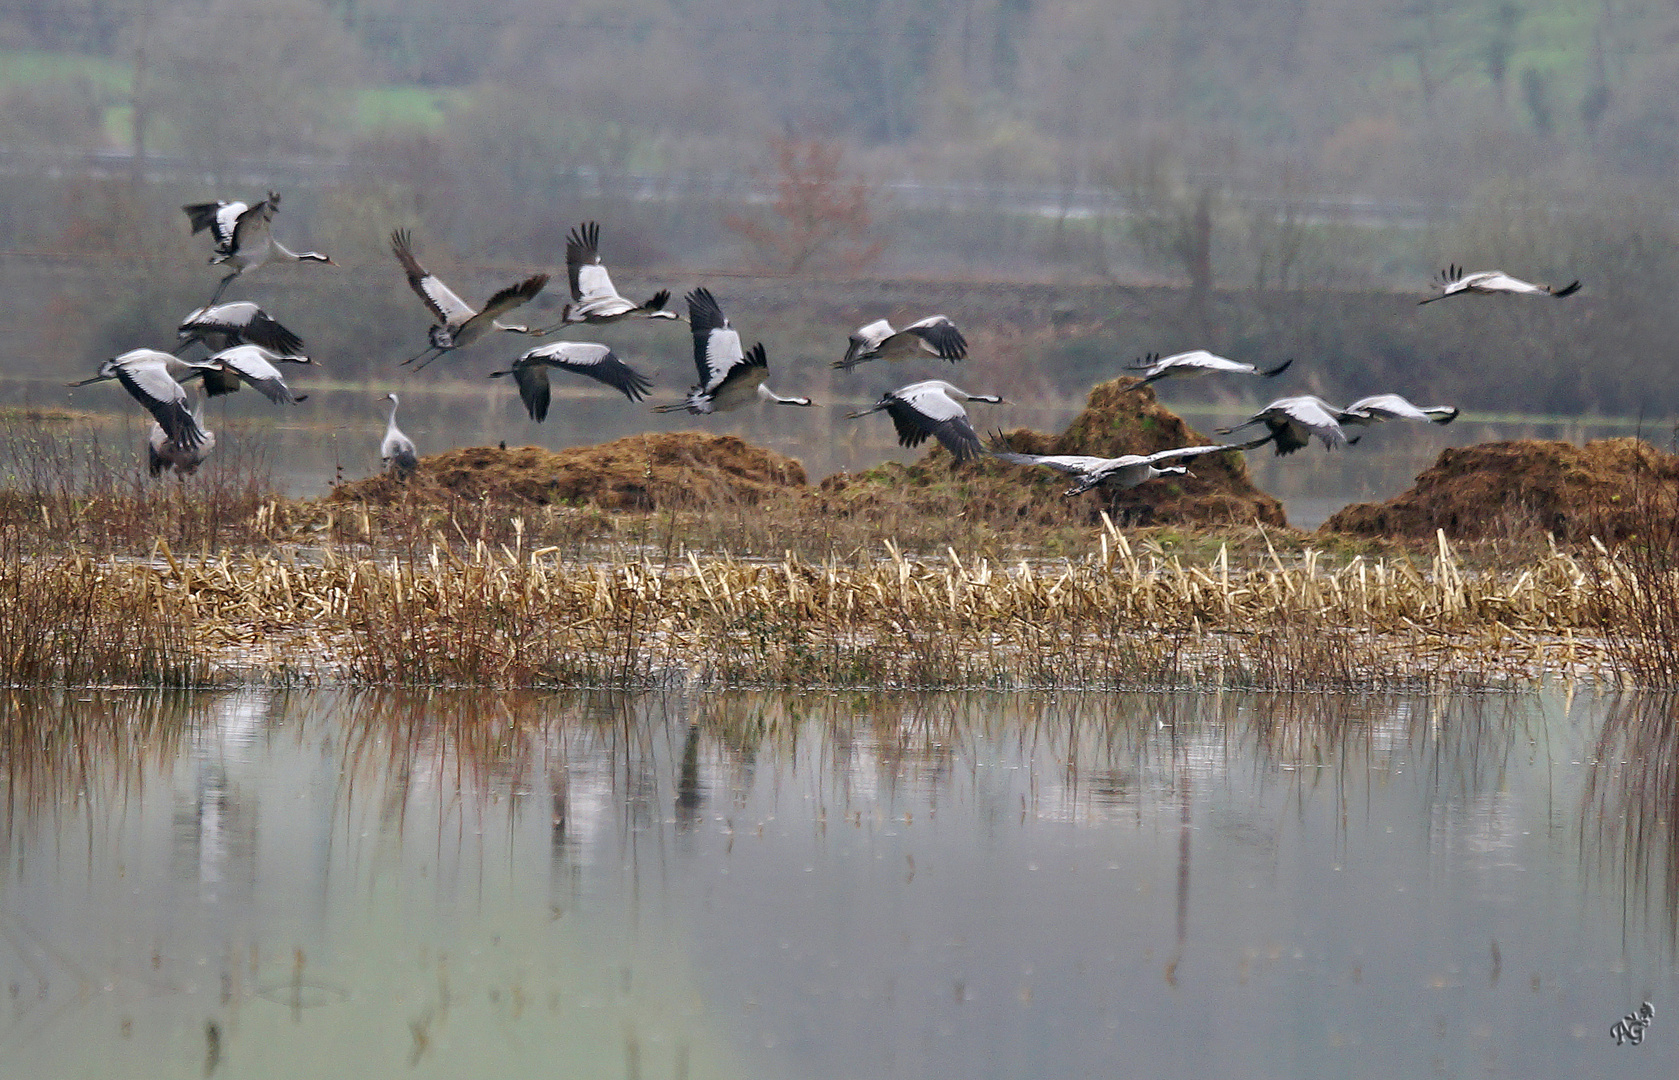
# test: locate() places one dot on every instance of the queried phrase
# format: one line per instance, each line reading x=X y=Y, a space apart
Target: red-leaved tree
x=818 y=215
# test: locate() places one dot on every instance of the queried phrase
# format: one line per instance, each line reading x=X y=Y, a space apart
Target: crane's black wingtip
x=1567 y=290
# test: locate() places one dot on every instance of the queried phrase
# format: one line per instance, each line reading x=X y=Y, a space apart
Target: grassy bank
x=950 y=579
x=1123 y=615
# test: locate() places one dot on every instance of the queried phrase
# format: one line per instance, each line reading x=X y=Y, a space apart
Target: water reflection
x=1631 y=818
x=288 y=883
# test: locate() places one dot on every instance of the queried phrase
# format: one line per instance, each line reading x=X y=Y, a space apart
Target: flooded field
x=301 y=884
x=336 y=433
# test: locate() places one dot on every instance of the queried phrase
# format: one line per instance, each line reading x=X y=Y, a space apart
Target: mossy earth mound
x=1119 y=418
x=1608 y=489
x=655 y=470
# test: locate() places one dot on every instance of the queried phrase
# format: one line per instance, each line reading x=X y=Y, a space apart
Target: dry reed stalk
x=82 y=621
x=499 y=616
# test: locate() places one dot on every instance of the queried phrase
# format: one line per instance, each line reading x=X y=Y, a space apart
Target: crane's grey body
x=1292 y=422
x=730 y=377
x=1123 y=472
x=932 y=408
x=244 y=238
x=1200 y=362
x=933 y=336
x=1379 y=407
x=162 y=452
x=588 y=358
x=458 y=323
x=1453 y=281
x=397 y=450
x=594 y=299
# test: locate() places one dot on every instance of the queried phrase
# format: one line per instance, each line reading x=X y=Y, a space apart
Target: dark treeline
x=1405 y=98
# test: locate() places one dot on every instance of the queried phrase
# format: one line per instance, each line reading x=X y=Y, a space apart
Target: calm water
x=317 y=884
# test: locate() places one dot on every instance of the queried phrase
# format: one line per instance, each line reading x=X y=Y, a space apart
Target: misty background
x=1074 y=183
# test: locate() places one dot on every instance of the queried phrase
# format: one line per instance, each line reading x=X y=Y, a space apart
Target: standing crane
x=397 y=450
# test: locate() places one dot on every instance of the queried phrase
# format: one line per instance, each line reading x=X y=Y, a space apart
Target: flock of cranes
x=244 y=345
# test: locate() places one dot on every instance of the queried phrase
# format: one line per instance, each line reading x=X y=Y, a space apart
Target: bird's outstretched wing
x=248 y=223
x=206 y=215
x=1187 y=452
x=244 y=321
x=250 y=365
x=864 y=344
x=941 y=337
x=933 y=413
x=507 y=299
x=717 y=348
x=601 y=364
x=1075 y=464
x=165 y=399
x=583 y=357
x=440 y=300
x=590 y=283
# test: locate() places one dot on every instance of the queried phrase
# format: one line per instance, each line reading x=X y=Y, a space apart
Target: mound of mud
x=1118 y=418
x=656 y=470
x=1501 y=489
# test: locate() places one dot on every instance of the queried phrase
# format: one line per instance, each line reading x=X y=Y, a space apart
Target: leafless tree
x=818 y=211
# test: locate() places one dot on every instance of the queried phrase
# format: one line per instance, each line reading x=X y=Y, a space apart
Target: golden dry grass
x=1122 y=616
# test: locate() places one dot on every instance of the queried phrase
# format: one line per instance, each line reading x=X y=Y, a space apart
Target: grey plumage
x=933 y=336
x=397 y=450
x=153 y=379
x=1453 y=281
x=1123 y=472
x=458 y=323
x=932 y=408
x=596 y=361
x=730 y=377
x=594 y=299
x=1292 y=422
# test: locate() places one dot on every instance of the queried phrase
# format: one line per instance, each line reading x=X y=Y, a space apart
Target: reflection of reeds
x=57 y=749
x=1630 y=816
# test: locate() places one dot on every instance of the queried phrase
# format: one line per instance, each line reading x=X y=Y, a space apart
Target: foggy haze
x=1272 y=178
